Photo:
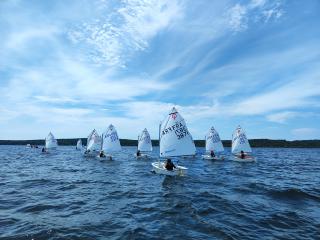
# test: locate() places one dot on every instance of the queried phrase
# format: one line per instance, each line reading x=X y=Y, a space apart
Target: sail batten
x=213 y=141
x=175 y=139
x=240 y=141
x=144 y=142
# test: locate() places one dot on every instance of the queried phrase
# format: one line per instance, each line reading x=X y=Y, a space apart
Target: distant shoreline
x=199 y=143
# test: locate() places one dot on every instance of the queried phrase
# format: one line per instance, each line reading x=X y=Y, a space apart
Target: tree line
x=199 y=143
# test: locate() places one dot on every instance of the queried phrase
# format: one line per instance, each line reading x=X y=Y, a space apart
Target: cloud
x=240 y=15
x=285 y=97
x=306 y=133
x=113 y=38
x=281 y=117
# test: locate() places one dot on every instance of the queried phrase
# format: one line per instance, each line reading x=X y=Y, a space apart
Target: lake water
x=66 y=196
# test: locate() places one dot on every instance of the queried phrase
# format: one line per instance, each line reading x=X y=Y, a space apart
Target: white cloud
x=240 y=15
x=292 y=95
x=306 y=133
x=238 y=18
x=113 y=38
x=281 y=117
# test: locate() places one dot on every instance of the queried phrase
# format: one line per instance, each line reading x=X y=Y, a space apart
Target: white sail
x=79 y=144
x=94 y=141
x=110 y=140
x=144 y=141
x=240 y=141
x=175 y=139
x=213 y=141
x=51 y=142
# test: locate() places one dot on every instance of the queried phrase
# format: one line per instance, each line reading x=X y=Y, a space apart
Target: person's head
x=169 y=160
x=241 y=152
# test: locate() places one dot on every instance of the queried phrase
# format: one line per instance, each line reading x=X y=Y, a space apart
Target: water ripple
x=66 y=196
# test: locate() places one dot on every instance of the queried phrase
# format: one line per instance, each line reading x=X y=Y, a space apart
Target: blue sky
x=69 y=67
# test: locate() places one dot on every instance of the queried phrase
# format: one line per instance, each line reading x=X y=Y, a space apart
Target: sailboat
x=110 y=142
x=79 y=144
x=214 y=144
x=175 y=141
x=241 y=143
x=93 y=144
x=144 y=144
x=50 y=143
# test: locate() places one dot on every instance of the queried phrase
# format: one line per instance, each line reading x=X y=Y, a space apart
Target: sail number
x=242 y=138
x=113 y=136
x=179 y=129
x=215 y=138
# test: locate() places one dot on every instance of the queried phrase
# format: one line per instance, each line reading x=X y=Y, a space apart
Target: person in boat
x=169 y=165
x=138 y=153
x=43 y=150
x=102 y=155
x=212 y=154
x=242 y=155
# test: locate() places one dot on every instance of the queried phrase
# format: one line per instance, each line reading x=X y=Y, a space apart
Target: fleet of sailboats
x=175 y=142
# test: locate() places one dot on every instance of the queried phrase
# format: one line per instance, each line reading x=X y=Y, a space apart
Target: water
x=65 y=196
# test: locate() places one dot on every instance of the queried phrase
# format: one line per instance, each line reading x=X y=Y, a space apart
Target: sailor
x=138 y=153
x=212 y=154
x=102 y=155
x=242 y=155
x=169 y=165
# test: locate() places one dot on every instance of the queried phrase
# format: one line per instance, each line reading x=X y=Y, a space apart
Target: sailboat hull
x=208 y=157
x=91 y=154
x=159 y=168
x=247 y=159
x=142 y=156
x=106 y=157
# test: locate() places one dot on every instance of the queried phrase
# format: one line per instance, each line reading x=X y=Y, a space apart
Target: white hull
x=208 y=157
x=189 y=157
x=106 y=157
x=91 y=154
x=142 y=156
x=247 y=159
x=159 y=168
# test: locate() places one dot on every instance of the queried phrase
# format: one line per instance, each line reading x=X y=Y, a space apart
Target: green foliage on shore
x=199 y=143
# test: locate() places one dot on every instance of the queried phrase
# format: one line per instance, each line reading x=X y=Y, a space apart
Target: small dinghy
x=159 y=167
x=175 y=141
x=93 y=145
x=144 y=145
x=110 y=143
x=50 y=143
x=79 y=145
x=213 y=144
x=240 y=144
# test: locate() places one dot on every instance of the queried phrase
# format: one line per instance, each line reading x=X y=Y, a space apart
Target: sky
x=72 y=66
